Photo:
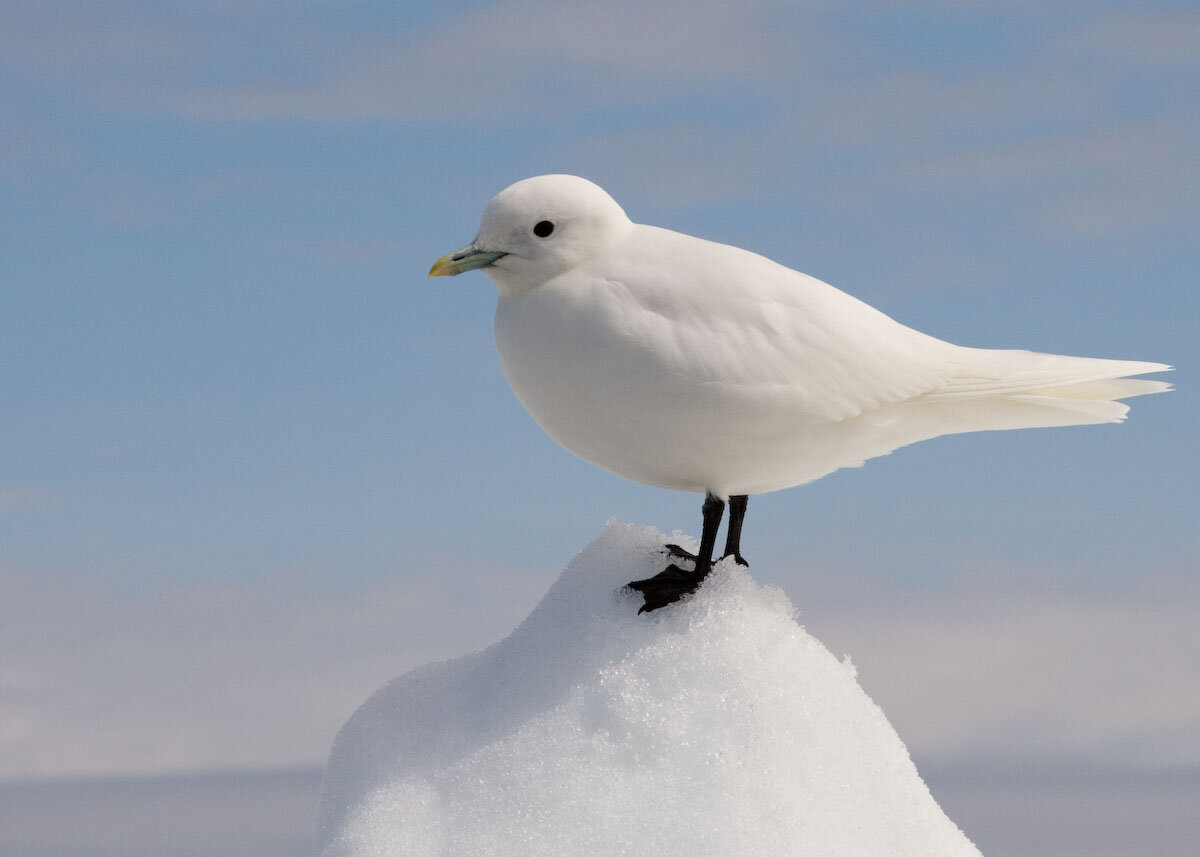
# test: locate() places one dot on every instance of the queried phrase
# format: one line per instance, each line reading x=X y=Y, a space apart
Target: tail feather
x=1071 y=411
x=1116 y=388
x=1020 y=374
x=994 y=391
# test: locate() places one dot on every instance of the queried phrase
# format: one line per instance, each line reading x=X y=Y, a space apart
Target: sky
x=253 y=463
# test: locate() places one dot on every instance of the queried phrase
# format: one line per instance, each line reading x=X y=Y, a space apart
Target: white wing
x=729 y=317
x=720 y=315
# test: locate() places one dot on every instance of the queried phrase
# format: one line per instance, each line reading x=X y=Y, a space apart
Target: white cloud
x=226 y=815
x=1146 y=35
x=1097 y=181
x=1033 y=812
x=18 y=498
x=208 y=676
x=517 y=58
x=1009 y=671
x=802 y=101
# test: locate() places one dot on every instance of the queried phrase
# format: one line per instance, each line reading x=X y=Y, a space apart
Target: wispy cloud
x=1149 y=36
x=718 y=101
x=1023 y=673
x=507 y=60
x=212 y=676
x=225 y=815
x=17 y=498
x=1096 y=181
x=1036 y=812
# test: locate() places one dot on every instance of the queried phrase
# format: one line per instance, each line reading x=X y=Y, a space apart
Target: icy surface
x=713 y=727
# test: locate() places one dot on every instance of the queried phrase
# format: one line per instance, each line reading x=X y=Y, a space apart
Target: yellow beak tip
x=441 y=268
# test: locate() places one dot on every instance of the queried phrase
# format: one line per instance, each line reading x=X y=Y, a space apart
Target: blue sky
x=253 y=463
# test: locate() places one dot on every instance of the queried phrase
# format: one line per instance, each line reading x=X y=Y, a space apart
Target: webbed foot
x=671 y=584
x=666 y=587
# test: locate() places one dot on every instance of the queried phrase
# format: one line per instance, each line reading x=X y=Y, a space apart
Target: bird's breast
x=619 y=389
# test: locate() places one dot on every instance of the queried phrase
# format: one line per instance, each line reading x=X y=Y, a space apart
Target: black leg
x=672 y=584
x=711 y=511
x=733 y=539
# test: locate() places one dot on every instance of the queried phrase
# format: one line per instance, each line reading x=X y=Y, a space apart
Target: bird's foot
x=673 y=583
x=666 y=587
x=681 y=553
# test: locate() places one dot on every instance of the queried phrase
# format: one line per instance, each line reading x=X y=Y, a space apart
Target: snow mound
x=717 y=726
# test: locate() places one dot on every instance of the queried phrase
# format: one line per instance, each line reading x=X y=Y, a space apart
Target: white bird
x=697 y=366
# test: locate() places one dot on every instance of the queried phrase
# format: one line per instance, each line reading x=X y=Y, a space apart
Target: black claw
x=681 y=553
x=677 y=551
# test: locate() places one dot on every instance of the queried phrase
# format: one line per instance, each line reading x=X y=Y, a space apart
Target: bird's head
x=536 y=229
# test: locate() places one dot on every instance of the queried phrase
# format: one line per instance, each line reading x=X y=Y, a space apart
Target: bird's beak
x=466 y=259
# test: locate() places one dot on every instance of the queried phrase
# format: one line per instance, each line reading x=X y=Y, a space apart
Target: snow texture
x=716 y=726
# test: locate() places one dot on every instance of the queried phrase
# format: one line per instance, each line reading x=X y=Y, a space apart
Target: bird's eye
x=543 y=228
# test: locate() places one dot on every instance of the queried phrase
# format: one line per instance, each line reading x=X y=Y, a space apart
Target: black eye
x=543 y=228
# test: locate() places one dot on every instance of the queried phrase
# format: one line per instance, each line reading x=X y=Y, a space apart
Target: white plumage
x=698 y=366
